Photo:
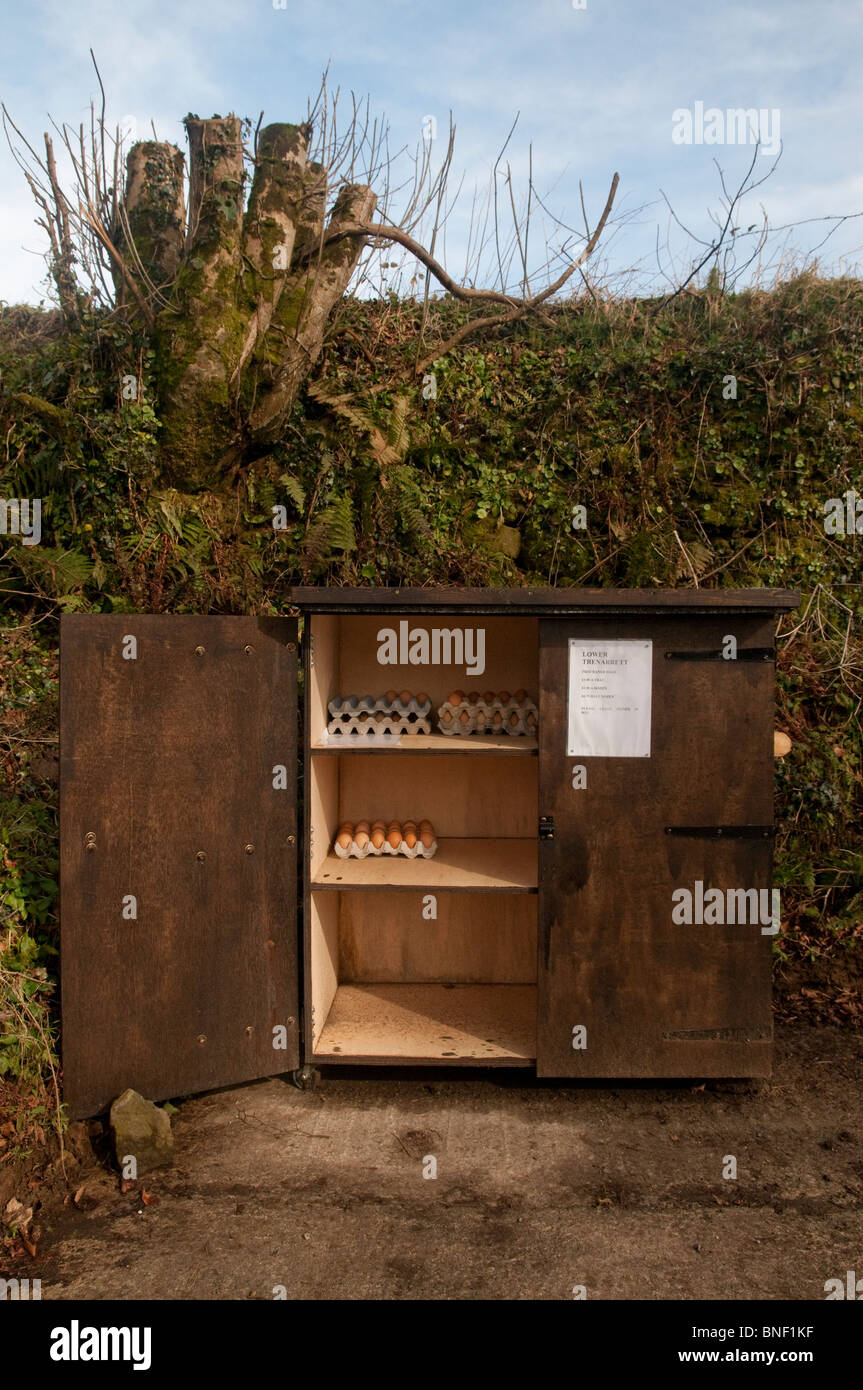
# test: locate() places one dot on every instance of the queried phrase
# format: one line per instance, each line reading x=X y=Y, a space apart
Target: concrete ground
x=540 y=1187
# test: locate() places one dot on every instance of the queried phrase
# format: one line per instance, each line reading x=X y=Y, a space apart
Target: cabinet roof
x=541 y=601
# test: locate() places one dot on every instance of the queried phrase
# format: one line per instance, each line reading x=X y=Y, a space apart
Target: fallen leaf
x=148 y=1199
x=16 y=1214
x=29 y=1246
x=78 y=1195
x=127 y=1185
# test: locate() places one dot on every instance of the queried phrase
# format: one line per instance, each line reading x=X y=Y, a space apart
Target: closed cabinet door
x=655 y=855
x=178 y=829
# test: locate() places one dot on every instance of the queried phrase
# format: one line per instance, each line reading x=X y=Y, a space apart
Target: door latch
x=546 y=827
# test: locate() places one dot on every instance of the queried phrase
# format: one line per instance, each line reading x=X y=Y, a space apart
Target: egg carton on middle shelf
x=411 y=840
x=462 y=714
x=367 y=716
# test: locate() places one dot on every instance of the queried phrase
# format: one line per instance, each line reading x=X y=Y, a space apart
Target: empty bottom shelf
x=446 y=1023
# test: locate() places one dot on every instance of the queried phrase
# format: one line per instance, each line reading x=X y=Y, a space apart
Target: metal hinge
x=744 y=654
x=722 y=832
x=546 y=827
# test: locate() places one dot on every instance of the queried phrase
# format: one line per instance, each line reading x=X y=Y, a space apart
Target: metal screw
x=250 y=849
x=292 y=646
x=249 y=1028
x=199 y=651
x=291 y=839
x=291 y=1019
x=200 y=856
x=202 y=1037
x=248 y=650
x=90 y=841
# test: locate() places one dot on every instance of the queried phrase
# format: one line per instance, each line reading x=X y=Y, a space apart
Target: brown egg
x=346 y=825
x=379 y=825
x=446 y=718
x=405 y=697
x=422 y=697
x=488 y=697
x=409 y=825
x=378 y=836
x=391 y=695
x=362 y=825
x=394 y=838
x=410 y=838
x=464 y=717
x=520 y=695
x=504 y=697
x=361 y=838
x=497 y=719
x=472 y=697
x=427 y=834
x=456 y=697
x=531 y=719
x=514 y=720
x=343 y=839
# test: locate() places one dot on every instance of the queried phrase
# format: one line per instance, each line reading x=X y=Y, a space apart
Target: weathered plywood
x=503 y=745
x=167 y=761
x=472 y=939
x=510 y=658
x=322 y=638
x=322 y=965
x=656 y=998
x=477 y=798
x=479 y=866
x=485 y=1023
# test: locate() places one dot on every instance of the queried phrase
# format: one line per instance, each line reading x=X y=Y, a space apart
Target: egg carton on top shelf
x=367 y=716
x=391 y=703
x=359 y=726
x=519 y=718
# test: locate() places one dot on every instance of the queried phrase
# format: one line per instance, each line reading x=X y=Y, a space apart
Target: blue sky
x=595 y=89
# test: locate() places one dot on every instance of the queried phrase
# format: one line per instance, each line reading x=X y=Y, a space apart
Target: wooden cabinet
x=541 y=933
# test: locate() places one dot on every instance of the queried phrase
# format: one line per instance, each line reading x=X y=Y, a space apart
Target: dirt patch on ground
x=540 y=1187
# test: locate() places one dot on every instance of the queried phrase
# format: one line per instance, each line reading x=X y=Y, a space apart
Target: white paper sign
x=609 y=699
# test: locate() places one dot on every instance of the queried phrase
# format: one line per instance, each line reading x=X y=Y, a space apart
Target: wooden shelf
x=466 y=866
x=442 y=1023
x=429 y=743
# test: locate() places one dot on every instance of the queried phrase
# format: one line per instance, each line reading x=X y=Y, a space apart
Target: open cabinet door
x=178 y=826
x=655 y=997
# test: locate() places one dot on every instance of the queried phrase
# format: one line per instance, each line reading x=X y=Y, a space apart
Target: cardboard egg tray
x=353 y=851
x=363 y=716
x=517 y=717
